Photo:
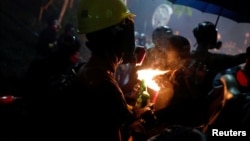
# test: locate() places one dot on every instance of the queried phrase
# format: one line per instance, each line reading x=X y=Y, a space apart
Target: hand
x=146 y=115
x=138 y=112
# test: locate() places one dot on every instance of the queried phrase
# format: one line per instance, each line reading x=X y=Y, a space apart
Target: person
x=240 y=72
x=180 y=94
x=45 y=89
x=47 y=41
x=103 y=111
x=59 y=62
x=243 y=75
x=156 y=56
x=209 y=64
x=206 y=65
x=230 y=110
x=234 y=108
x=178 y=105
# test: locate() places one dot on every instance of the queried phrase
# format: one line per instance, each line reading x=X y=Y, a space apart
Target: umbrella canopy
x=236 y=10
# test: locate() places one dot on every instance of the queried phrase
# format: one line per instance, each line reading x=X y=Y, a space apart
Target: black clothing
x=211 y=64
x=45 y=95
x=47 y=42
x=103 y=102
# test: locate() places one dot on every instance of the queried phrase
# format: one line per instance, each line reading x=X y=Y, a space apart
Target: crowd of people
x=66 y=98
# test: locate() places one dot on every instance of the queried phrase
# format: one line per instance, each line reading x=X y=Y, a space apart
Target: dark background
x=19 y=29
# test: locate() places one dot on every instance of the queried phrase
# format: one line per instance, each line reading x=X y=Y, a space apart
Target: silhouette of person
x=209 y=64
x=111 y=42
x=156 y=56
x=47 y=40
x=179 y=115
x=178 y=102
x=240 y=72
x=45 y=86
x=245 y=73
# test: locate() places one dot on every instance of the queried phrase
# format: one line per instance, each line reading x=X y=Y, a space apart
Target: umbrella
x=238 y=11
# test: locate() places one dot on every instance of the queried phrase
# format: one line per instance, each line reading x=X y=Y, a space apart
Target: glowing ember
x=148 y=75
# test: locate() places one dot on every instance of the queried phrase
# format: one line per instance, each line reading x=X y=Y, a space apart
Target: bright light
x=148 y=75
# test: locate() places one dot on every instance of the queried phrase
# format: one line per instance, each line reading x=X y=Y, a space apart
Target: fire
x=148 y=76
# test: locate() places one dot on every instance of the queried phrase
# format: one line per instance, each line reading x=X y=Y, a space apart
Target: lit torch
x=148 y=76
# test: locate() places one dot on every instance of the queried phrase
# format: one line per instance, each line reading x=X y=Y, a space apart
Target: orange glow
x=148 y=75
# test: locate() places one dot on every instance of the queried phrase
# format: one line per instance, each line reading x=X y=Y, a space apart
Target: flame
x=148 y=75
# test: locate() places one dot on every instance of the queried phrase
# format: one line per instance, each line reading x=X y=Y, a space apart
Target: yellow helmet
x=94 y=15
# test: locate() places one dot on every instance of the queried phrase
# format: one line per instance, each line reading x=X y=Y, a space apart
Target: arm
x=220 y=62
